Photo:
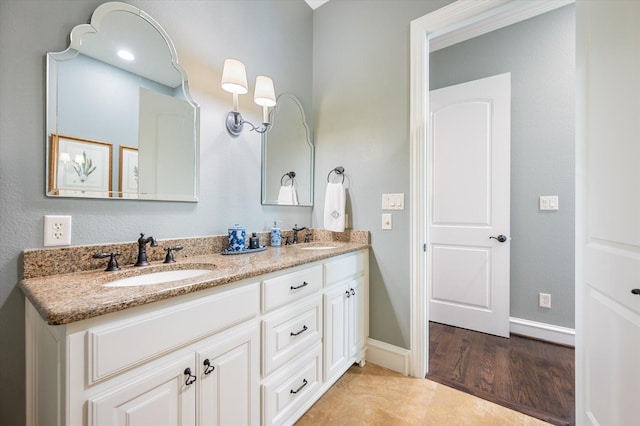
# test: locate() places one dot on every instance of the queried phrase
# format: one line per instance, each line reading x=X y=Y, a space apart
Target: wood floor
x=530 y=376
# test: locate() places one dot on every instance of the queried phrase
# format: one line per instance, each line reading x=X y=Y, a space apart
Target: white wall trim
x=388 y=356
x=504 y=18
x=542 y=331
x=425 y=31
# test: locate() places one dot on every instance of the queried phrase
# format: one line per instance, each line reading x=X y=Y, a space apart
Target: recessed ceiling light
x=126 y=55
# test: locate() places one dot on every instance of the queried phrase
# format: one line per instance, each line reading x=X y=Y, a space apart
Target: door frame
x=456 y=22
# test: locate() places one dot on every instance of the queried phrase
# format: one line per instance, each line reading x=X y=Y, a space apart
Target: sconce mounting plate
x=234 y=123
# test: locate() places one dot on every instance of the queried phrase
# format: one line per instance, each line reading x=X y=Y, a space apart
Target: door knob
x=501 y=238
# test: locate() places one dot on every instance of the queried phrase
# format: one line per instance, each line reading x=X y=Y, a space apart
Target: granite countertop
x=69 y=297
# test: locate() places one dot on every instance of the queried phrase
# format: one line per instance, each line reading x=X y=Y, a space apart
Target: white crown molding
x=316 y=3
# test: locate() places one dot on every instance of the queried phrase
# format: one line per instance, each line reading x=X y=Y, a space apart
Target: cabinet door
x=229 y=370
x=356 y=323
x=336 y=344
x=162 y=396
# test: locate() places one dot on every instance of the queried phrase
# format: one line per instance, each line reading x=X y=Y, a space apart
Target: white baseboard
x=539 y=330
x=388 y=356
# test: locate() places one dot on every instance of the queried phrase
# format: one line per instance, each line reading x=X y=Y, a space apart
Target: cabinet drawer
x=284 y=289
x=346 y=267
x=289 y=388
x=124 y=344
x=289 y=331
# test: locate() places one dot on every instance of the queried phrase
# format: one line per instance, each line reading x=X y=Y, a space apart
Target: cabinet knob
x=190 y=377
x=348 y=294
x=353 y=292
x=208 y=368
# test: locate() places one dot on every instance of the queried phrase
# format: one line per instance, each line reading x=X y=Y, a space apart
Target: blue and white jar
x=276 y=236
x=237 y=237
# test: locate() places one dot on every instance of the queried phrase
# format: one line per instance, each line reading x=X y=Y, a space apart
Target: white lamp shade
x=265 y=94
x=234 y=77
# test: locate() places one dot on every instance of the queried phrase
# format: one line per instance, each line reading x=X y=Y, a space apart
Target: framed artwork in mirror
x=80 y=167
x=128 y=177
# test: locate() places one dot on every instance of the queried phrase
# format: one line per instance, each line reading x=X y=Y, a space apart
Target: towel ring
x=290 y=175
x=339 y=171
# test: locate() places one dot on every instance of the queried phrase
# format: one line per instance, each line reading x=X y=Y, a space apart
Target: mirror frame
x=71 y=52
x=272 y=116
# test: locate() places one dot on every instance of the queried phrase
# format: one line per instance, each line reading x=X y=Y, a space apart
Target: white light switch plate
x=393 y=201
x=549 y=202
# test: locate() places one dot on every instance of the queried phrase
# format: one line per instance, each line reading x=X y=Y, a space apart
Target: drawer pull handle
x=208 y=368
x=304 y=328
x=348 y=294
x=304 y=284
x=304 y=383
x=190 y=377
x=353 y=292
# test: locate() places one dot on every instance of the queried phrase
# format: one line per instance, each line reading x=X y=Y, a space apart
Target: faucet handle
x=113 y=262
x=169 y=258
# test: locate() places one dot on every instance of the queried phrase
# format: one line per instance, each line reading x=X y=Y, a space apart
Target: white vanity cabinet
x=146 y=365
x=258 y=351
x=346 y=302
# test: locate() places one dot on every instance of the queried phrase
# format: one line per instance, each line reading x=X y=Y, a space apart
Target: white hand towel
x=287 y=195
x=334 y=203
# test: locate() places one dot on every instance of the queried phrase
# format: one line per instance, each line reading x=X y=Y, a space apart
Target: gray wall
x=361 y=114
x=271 y=37
x=540 y=54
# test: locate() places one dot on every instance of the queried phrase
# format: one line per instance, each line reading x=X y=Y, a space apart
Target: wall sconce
x=234 y=80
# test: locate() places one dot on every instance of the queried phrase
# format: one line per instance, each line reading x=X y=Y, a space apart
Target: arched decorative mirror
x=121 y=123
x=287 y=156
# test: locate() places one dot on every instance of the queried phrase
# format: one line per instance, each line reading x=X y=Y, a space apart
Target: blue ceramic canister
x=237 y=236
x=276 y=237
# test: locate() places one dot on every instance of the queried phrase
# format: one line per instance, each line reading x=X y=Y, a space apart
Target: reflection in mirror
x=120 y=120
x=287 y=156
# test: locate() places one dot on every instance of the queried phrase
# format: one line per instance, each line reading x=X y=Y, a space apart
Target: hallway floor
x=376 y=396
x=531 y=376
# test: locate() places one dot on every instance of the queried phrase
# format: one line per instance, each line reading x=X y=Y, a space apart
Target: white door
x=163 y=121
x=608 y=213
x=469 y=204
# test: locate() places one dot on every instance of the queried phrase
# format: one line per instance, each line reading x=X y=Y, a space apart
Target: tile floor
x=376 y=396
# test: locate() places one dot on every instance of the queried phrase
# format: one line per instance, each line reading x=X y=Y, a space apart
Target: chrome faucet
x=295 y=232
x=142 y=249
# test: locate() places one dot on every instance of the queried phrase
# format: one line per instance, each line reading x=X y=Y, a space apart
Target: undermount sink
x=317 y=248
x=157 y=278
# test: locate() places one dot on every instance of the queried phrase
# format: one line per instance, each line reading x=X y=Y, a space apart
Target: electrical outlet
x=544 y=300
x=57 y=231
